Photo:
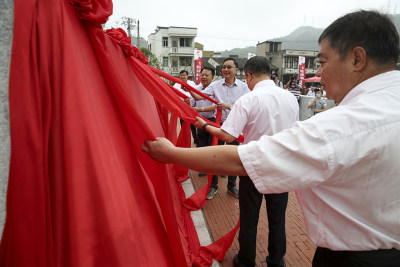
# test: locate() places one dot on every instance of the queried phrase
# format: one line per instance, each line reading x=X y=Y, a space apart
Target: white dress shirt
x=179 y=87
x=266 y=110
x=202 y=103
x=310 y=93
x=345 y=164
x=224 y=93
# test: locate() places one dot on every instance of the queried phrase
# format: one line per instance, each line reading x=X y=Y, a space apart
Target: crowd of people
x=342 y=163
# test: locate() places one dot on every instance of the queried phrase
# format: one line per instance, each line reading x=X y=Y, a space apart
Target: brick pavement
x=222 y=213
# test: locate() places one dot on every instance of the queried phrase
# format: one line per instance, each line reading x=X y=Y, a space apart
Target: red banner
x=198 y=64
x=302 y=70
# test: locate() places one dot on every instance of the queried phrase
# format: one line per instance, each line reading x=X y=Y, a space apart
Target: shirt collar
x=234 y=83
x=264 y=83
x=373 y=84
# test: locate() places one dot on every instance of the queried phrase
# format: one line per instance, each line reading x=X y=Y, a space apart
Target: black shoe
x=234 y=191
x=236 y=261
x=212 y=193
x=202 y=174
x=222 y=176
x=281 y=264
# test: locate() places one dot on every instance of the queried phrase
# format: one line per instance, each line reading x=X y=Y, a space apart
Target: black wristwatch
x=205 y=125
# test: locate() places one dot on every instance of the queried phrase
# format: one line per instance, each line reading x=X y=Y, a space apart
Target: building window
x=150 y=47
x=165 y=61
x=165 y=41
x=291 y=62
x=174 y=43
x=174 y=62
x=273 y=47
x=185 y=42
x=310 y=62
x=185 y=61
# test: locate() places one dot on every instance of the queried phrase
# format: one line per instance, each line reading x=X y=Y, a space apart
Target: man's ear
x=359 y=57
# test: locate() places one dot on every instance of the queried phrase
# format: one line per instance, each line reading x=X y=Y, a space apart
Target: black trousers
x=324 y=257
x=204 y=137
x=250 y=202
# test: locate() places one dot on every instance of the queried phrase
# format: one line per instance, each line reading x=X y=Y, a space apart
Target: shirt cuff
x=248 y=158
x=230 y=131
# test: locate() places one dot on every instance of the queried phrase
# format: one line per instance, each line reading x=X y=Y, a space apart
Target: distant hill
x=303 y=38
x=143 y=42
x=241 y=52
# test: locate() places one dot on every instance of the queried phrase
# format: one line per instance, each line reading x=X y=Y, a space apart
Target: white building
x=287 y=60
x=174 y=47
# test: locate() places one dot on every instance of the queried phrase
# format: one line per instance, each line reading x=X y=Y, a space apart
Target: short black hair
x=234 y=61
x=210 y=69
x=258 y=66
x=316 y=90
x=371 y=30
x=182 y=71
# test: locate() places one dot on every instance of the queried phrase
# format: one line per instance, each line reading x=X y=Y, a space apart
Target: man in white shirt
x=266 y=110
x=311 y=91
x=225 y=91
x=183 y=75
x=204 y=107
x=344 y=162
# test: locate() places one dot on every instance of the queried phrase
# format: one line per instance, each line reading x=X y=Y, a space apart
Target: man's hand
x=187 y=100
x=223 y=106
x=158 y=150
x=199 y=123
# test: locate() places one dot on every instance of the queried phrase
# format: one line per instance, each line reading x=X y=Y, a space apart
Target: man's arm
x=217 y=132
x=311 y=103
x=194 y=95
x=205 y=109
x=211 y=159
x=325 y=107
x=287 y=84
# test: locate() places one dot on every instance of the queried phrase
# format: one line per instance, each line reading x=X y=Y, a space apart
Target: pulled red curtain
x=81 y=193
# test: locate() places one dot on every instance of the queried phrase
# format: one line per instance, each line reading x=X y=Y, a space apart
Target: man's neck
x=230 y=80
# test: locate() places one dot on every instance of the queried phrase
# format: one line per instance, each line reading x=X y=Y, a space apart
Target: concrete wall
x=6 y=30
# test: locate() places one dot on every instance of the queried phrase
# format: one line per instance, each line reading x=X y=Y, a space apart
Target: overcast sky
x=223 y=24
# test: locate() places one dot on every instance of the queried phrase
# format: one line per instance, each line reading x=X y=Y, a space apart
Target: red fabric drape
x=81 y=193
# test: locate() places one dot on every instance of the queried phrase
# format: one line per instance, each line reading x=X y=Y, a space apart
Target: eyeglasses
x=228 y=67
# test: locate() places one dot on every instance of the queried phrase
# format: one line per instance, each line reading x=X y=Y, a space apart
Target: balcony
x=187 y=51
x=182 y=32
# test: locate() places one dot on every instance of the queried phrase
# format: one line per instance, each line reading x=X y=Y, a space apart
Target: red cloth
x=81 y=193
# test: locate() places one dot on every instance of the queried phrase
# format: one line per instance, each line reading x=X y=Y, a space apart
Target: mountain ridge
x=302 y=38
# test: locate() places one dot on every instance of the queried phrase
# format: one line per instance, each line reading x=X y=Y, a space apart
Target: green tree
x=153 y=61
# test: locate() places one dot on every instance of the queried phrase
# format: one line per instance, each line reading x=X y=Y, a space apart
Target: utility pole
x=138 y=35
x=129 y=27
